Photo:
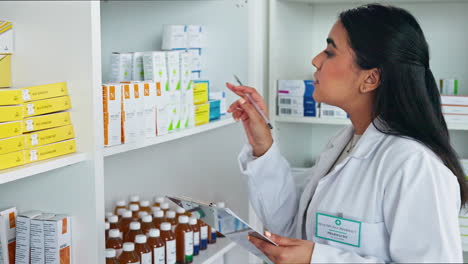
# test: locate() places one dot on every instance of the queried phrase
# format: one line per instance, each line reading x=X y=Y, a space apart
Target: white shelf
x=109 y=151
x=465 y=247
x=34 y=168
x=222 y=246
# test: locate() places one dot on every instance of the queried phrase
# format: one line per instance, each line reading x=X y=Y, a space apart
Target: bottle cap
x=140 y=239
x=166 y=226
x=135 y=226
x=183 y=219
x=147 y=219
x=145 y=203
x=134 y=207
x=134 y=198
x=154 y=232
x=114 y=233
x=142 y=214
x=109 y=214
x=159 y=199
x=120 y=211
x=127 y=214
x=220 y=205
x=128 y=247
x=155 y=208
x=110 y=253
x=158 y=214
x=121 y=203
x=113 y=219
x=180 y=210
x=170 y=214
x=193 y=221
x=165 y=206
x=107 y=226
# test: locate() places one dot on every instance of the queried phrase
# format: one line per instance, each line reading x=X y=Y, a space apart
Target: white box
x=121 y=67
x=454 y=100
x=456 y=118
x=330 y=111
x=37 y=238
x=57 y=236
x=197 y=61
x=222 y=96
x=162 y=119
x=196 y=75
x=173 y=70
x=155 y=69
x=287 y=100
x=295 y=87
x=138 y=88
x=7 y=235
x=449 y=86
x=449 y=109
x=6 y=37
x=195 y=36
x=129 y=118
x=138 y=73
x=23 y=236
x=174 y=37
x=463 y=221
x=149 y=102
x=174 y=105
x=463 y=230
x=291 y=111
x=185 y=71
x=112 y=104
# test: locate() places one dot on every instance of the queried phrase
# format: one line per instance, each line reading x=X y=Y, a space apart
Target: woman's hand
x=258 y=132
x=289 y=250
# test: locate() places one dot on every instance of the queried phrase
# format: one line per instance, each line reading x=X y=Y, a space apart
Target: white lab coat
x=407 y=200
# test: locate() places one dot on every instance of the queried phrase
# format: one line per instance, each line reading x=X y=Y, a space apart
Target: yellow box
x=49 y=136
x=47 y=106
x=12 y=144
x=5 y=70
x=45 y=91
x=6 y=37
x=202 y=114
x=11 y=113
x=10 y=96
x=200 y=92
x=51 y=150
x=46 y=121
x=11 y=129
x=12 y=159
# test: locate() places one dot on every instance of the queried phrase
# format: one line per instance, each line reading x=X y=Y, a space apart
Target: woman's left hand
x=289 y=250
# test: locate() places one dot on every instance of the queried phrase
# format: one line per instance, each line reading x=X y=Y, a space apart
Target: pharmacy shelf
x=214 y=251
x=21 y=172
x=465 y=247
x=109 y=151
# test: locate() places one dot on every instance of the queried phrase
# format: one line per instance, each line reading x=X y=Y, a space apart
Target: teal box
x=215 y=109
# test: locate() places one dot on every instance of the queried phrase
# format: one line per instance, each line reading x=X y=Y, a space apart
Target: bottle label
x=146 y=258
x=196 y=238
x=118 y=252
x=171 y=252
x=204 y=232
x=159 y=255
x=188 y=243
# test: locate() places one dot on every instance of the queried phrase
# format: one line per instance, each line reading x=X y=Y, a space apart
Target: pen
x=255 y=105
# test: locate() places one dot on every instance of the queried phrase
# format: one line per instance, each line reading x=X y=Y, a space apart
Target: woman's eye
x=328 y=53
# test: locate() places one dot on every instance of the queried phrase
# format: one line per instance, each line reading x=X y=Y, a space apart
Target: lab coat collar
x=369 y=141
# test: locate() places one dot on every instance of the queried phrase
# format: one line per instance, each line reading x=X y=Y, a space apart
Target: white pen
x=255 y=105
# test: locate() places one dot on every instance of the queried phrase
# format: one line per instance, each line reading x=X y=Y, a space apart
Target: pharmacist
x=389 y=188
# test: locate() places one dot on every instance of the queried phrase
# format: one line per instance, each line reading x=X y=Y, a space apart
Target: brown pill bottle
x=129 y=256
x=156 y=244
x=111 y=256
x=135 y=229
x=115 y=242
x=169 y=242
x=142 y=249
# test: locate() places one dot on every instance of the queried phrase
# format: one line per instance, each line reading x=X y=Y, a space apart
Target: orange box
x=57 y=237
x=8 y=235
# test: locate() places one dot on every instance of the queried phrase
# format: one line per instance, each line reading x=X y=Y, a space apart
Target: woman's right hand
x=258 y=132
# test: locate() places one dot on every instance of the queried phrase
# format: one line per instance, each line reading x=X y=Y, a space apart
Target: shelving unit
x=214 y=252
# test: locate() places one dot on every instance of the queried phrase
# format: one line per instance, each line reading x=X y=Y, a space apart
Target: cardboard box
x=138 y=88
x=163 y=118
x=37 y=238
x=57 y=236
x=220 y=95
x=11 y=113
x=215 y=109
x=449 y=86
x=195 y=37
x=297 y=111
x=201 y=91
x=49 y=136
x=112 y=111
x=196 y=75
x=129 y=118
x=121 y=67
x=185 y=71
x=138 y=73
x=46 y=121
x=174 y=105
x=11 y=129
x=330 y=111
x=13 y=159
x=197 y=61
x=45 y=91
x=285 y=100
x=5 y=70
x=296 y=87
x=174 y=37
x=173 y=70
x=10 y=96
x=51 y=150
x=8 y=235
x=47 y=106
x=449 y=109
x=202 y=114
x=6 y=37
x=454 y=100
x=23 y=236
x=155 y=69
x=455 y=118
x=149 y=106
x=12 y=144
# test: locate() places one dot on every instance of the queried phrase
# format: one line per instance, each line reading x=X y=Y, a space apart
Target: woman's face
x=337 y=78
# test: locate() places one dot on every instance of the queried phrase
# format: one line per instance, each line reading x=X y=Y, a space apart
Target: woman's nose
x=316 y=62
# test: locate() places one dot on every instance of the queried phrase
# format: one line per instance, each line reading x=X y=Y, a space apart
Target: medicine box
x=11 y=113
x=11 y=129
x=46 y=121
x=57 y=237
x=162 y=119
x=12 y=144
x=296 y=87
x=155 y=69
x=23 y=236
x=46 y=91
x=454 y=100
x=295 y=111
x=149 y=105
x=449 y=109
x=138 y=73
x=49 y=136
x=129 y=118
x=8 y=235
x=202 y=114
x=201 y=91
x=13 y=159
x=449 y=86
x=456 y=118
x=197 y=61
x=6 y=37
x=185 y=71
x=38 y=239
x=195 y=36
x=173 y=70
x=121 y=67
x=47 y=106
x=5 y=70
x=174 y=37
x=51 y=150
x=138 y=88
x=215 y=109
x=196 y=75
x=330 y=111
x=220 y=95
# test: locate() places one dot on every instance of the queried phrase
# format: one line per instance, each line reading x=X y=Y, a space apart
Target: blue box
x=215 y=109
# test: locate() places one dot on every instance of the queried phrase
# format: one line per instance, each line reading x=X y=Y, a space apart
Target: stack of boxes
x=32 y=126
x=6 y=50
x=7 y=235
x=455 y=108
x=448 y=86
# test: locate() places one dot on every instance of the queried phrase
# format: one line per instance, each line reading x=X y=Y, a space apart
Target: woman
x=386 y=189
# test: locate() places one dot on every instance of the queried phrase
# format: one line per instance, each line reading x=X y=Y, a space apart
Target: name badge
x=338 y=229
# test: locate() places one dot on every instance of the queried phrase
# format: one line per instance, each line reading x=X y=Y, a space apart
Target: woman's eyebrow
x=332 y=42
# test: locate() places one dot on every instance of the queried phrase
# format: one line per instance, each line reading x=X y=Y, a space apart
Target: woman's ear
x=371 y=81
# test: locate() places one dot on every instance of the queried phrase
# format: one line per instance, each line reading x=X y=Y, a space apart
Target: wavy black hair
x=407 y=100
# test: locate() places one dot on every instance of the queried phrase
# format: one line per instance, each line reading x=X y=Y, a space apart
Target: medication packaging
x=138 y=73
x=195 y=36
x=155 y=69
x=57 y=236
x=202 y=114
x=121 y=67
x=215 y=110
x=451 y=109
x=5 y=70
x=174 y=37
x=449 y=86
x=454 y=100
x=37 y=238
x=23 y=236
x=220 y=95
x=196 y=55
x=112 y=104
x=330 y=111
x=12 y=144
x=185 y=71
x=11 y=113
x=47 y=106
x=138 y=88
x=51 y=150
x=6 y=37
x=129 y=119
x=174 y=106
x=33 y=93
x=149 y=107
x=49 y=136
x=7 y=235
x=173 y=70
x=13 y=159
x=46 y=121
x=11 y=129
x=301 y=88
x=200 y=92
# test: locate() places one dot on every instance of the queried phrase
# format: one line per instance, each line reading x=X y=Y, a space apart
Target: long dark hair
x=408 y=100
